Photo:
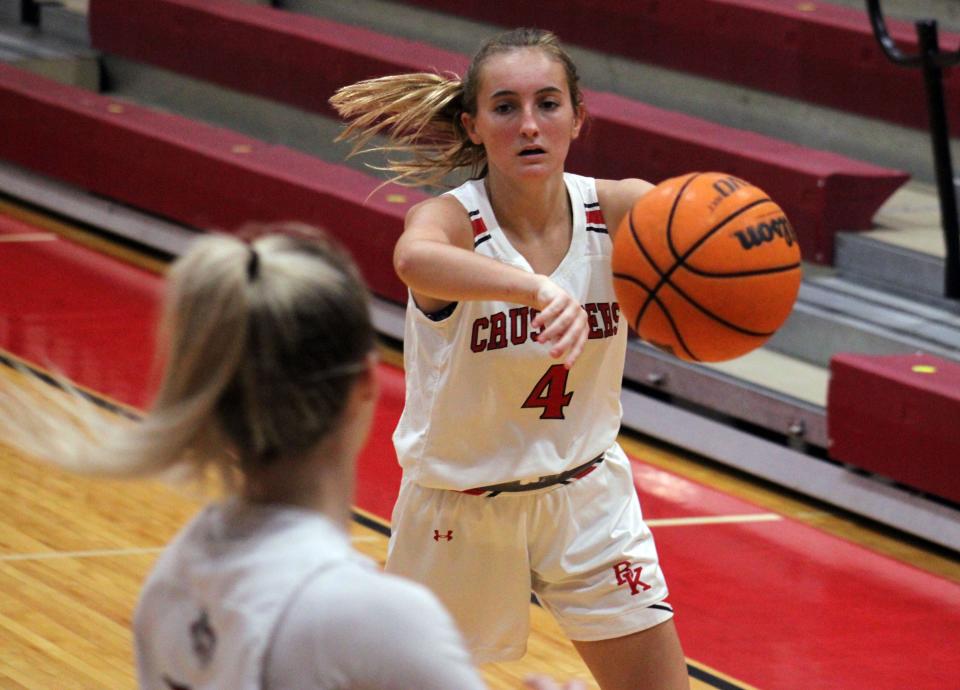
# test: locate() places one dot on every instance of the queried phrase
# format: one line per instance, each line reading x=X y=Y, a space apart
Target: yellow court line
x=95 y=553
x=371 y=517
x=76 y=234
x=719 y=675
x=27 y=368
x=29 y=237
x=367 y=539
x=714 y=520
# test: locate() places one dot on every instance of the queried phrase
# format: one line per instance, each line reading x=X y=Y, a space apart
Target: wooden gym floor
x=771 y=591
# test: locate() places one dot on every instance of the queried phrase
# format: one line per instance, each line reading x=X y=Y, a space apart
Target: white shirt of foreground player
x=272 y=597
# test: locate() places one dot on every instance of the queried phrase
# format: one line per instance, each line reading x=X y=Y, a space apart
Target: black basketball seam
x=636 y=281
x=673 y=210
x=731 y=326
x=650 y=293
x=697 y=305
x=745 y=274
x=646 y=254
x=663 y=308
x=678 y=260
x=707 y=235
x=664 y=277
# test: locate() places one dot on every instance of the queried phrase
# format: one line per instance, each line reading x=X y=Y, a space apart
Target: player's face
x=525 y=116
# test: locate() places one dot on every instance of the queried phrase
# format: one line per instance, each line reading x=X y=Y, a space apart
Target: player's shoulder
x=361 y=606
x=442 y=213
x=442 y=207
x=355 y=625
x=616 y=198
x=358 y=588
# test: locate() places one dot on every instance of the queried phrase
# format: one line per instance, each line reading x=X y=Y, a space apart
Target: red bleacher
x=208 y=177
x=811 y=51
x=195 y=174
x=895 y=416
x=302 y=60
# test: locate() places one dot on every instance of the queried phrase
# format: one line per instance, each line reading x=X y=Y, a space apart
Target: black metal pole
x=940 y=136
x=30 y=12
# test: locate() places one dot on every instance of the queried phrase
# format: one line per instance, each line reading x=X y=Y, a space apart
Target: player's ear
x=469 y=123
x=367 y=380
x=579 y=115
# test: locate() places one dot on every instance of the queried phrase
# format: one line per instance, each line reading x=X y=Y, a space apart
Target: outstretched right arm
x=434 y=257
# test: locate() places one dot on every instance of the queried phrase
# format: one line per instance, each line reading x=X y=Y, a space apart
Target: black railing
x=933 y=62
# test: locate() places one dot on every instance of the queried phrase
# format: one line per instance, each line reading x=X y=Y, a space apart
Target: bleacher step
x=905 y=252
x=52 y=58
x=885 y=263
x=10 y=12
x=835 y=315
x=727 y=104
x=66 y=20
x=764 y=388
x=261 y=118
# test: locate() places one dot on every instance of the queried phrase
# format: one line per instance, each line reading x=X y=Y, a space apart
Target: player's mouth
x=532 y=151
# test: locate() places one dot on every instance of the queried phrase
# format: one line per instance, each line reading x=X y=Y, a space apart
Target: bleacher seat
x=195 y=174
x=894 y=415
x=301 y=60
x=812 y=51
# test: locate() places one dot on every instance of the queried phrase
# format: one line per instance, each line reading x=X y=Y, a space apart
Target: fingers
x=565 y=327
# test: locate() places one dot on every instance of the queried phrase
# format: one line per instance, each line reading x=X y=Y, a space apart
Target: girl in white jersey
x=269 y=378
x=514 y=351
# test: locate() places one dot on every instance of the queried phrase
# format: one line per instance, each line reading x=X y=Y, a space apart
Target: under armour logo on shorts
x=627 y=576
x=437 y=536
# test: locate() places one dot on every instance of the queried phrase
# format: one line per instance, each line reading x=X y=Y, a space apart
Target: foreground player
x=514 y=353
x=269 y=380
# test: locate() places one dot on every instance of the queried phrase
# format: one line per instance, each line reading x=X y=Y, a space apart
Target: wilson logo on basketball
x=630 y=576
x=755 y=235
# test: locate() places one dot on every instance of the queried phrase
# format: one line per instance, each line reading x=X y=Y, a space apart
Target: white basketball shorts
x=581 y=548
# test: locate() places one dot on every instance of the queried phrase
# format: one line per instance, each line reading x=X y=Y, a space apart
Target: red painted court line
x=779 y=605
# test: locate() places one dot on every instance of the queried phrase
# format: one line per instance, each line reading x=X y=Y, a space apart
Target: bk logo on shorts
x=630 y=576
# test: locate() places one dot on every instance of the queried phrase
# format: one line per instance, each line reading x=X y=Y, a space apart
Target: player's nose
x=528 y=122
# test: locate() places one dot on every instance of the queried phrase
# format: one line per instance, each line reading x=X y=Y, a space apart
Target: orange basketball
x=706 y=267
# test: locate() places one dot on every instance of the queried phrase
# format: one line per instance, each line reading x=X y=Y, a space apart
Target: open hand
x=564 y=322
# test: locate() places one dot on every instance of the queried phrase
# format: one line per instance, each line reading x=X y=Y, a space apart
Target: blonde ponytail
x=420 y=115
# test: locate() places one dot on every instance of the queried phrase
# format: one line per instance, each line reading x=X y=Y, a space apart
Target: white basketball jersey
x=485 y=403
x=210 y=608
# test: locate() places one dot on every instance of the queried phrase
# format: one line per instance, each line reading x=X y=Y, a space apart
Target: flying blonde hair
x=419 y=113
x=259 y=343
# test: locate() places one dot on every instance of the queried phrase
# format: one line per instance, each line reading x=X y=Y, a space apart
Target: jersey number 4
x=550 y=393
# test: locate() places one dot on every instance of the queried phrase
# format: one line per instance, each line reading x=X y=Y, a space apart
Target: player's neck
x=322 y=482
x=525 y=209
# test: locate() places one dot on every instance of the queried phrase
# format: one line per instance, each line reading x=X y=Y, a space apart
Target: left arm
x=617 y=198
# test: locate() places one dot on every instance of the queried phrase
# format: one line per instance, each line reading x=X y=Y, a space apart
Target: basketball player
x=269 y=380
x=514 y=353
